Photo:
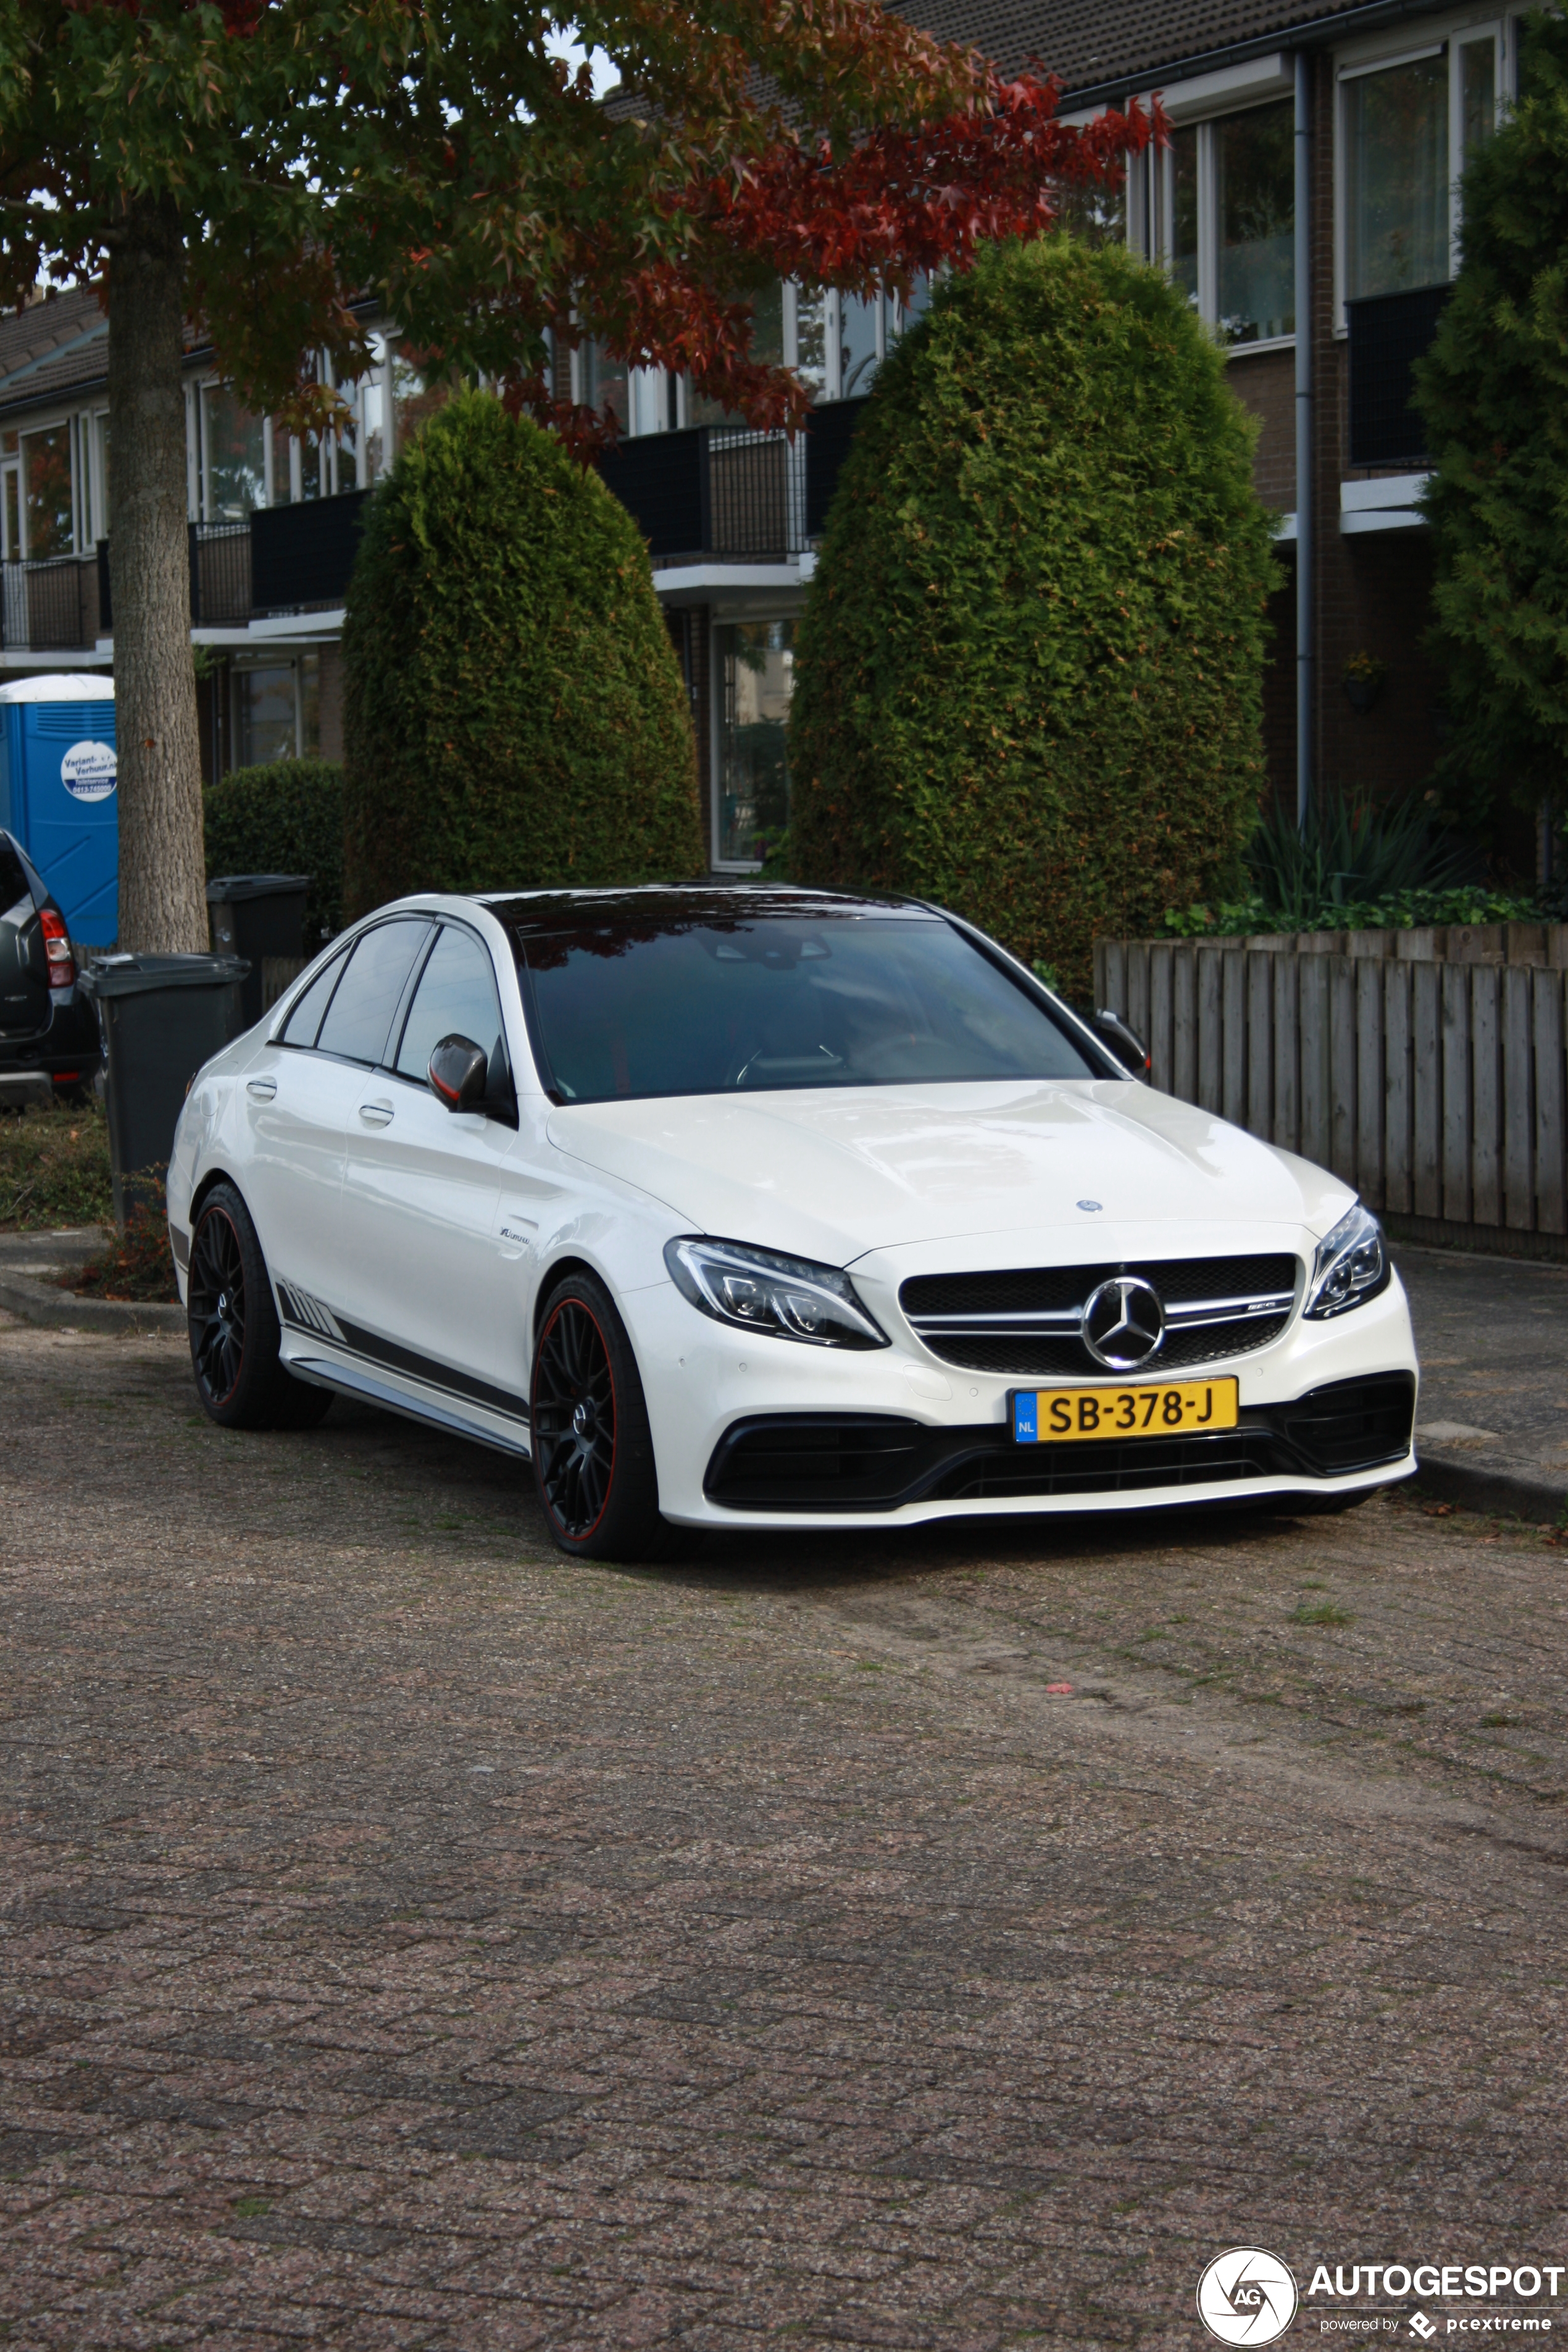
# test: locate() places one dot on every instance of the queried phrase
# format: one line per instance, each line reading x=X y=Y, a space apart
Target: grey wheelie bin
x=257 y=915
x=163 y=1017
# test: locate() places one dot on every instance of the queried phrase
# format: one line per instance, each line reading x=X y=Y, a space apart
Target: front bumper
x=846 y=1462
x=756 y=1432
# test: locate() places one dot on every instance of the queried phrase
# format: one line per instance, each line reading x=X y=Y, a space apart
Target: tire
x=594 y=1467
x=234 y=1328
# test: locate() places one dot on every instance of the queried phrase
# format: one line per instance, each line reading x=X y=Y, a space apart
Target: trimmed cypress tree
x=1493 y=392
x=1029 y=671
x=513 y=711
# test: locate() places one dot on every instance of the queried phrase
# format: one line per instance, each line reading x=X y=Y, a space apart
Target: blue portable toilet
x=57 y=792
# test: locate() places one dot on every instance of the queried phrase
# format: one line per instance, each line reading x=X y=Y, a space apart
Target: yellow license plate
x=1166 y=1408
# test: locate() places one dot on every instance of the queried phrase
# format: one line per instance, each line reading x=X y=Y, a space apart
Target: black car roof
x=702 y=902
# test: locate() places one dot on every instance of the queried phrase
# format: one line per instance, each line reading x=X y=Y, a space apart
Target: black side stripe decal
x=373 y=1350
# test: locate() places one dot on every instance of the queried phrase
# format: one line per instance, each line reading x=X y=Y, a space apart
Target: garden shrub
x=1028 y=675
x=1491 y=394
x=284 y=816
x=514 y=714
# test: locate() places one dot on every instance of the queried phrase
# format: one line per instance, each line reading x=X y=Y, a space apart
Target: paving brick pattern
x=408 y=1939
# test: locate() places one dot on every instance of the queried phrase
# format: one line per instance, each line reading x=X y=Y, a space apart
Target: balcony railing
x=52 y=601
x=284 y=560
x=1387 y=334
x=726 y=493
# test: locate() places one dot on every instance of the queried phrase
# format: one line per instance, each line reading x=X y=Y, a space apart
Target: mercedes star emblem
x=1123 y=1323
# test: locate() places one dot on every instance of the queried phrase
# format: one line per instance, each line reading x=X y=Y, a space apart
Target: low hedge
x=285 y=816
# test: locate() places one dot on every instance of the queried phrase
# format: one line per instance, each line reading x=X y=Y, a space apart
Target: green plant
x=514 y=714
x=285 y=816
x=1366 y=669
x=1351 y=852
x=1028 y=673
x=54 y=1167
x=139 y=1264
x=1491 y=392
x=1401 y=910
x=1320 y=1613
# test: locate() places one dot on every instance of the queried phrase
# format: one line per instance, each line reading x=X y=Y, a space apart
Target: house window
x=755 y=673
x=234 y=457
x=1225 y=219
x=46 y=491
x=1254 y=217
x=1396 y=176
x=276 y=709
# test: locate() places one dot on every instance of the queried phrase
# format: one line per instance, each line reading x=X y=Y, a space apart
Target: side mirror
x=1124 y=1041
x=458 y=1072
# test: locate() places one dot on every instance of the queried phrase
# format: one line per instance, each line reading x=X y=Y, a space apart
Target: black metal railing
x=302 y=558
x=49 y=601
x=1387 y=334
x=725 y=492
x=283 y=560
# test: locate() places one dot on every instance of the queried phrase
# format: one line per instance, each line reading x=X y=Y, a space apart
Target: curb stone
x=1505 y=1486
x=42 y=1302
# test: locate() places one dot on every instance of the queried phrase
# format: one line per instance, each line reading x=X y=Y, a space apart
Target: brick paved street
x=409 y=1939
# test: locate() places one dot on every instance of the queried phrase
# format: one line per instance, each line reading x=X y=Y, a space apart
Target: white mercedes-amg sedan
x=761 y=1207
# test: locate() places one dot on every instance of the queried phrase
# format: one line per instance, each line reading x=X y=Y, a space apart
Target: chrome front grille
x=1026 y=1322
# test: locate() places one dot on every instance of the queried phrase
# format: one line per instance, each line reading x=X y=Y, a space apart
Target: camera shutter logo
x=88 y=770
x=1246 y=2297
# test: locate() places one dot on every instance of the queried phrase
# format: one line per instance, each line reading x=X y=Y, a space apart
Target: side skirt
x=349 y=1380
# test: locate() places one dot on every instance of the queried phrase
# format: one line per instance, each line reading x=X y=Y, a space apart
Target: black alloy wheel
x=593 y=1451
x=235 y=1333
x=217 y=1306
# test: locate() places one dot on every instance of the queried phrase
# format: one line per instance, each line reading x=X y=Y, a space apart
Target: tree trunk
x=163 y=879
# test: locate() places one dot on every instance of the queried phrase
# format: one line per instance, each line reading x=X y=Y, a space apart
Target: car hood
x=835 y=1175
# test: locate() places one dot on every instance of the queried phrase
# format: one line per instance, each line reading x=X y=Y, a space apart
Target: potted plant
x=1364 y=674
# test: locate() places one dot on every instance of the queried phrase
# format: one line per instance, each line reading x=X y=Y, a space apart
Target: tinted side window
x=303 y=1023
x=456 y=998
x=14 y=883
x=361 y=1012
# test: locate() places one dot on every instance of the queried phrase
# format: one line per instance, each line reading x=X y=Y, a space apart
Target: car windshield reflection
x=623 y=1008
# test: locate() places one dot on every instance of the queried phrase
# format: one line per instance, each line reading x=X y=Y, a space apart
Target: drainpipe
x=1304 y=470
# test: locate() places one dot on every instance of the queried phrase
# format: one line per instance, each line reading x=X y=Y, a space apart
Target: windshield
x=624 y=1009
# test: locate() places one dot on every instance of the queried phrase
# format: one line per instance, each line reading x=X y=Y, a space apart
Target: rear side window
x=361 y=1014
x=303 y=1023
x=456 y=998
x=14 y=882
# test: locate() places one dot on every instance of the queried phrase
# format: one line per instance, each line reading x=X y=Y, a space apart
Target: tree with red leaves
x=261 y=166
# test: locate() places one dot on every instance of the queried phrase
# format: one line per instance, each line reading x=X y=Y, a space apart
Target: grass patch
x=1320 y=1613
x=251 y=2209
x=53 y=1167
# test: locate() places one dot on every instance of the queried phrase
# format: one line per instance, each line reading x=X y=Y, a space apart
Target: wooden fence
x=1436 y=1087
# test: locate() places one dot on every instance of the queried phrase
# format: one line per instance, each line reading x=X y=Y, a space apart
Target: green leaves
x=514 y=716
x=1493 y=392
x=1028 y=678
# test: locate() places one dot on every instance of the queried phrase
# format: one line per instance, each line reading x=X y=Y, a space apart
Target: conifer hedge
x=513 y=711
x=1028 y=676
x=282 y=817
x=1493 y=393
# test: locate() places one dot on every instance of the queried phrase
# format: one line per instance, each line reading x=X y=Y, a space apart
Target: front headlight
x=1352 y=1266
x=784 y=1297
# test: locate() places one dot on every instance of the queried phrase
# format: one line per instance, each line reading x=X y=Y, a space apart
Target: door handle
x=262 y=1088
x=377 y=1114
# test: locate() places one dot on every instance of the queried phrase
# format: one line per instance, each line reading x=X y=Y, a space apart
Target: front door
x=299 y=1097
x=424 y=1270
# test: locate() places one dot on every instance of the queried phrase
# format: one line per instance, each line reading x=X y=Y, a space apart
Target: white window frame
x=1265 y=89
x=717 y=621
x=1381 y=53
